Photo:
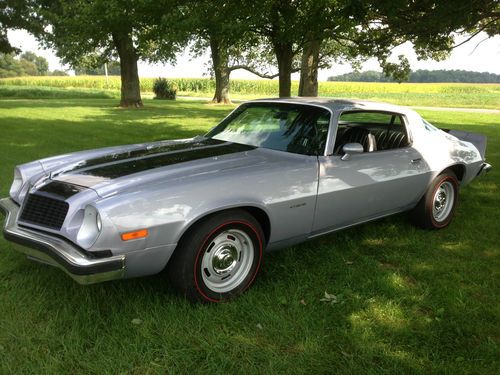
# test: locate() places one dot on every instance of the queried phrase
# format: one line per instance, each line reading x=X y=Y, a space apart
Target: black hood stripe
x=141 y=153
x=194 y=151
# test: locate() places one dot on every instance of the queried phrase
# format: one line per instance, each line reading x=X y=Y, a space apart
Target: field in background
x=408 y=301
x=412 y=94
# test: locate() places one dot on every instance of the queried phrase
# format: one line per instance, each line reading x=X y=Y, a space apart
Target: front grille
x=44 y=211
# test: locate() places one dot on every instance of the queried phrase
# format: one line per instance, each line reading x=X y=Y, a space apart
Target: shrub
x=164 y=89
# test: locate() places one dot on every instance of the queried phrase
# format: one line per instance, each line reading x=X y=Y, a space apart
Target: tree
x=374 y=28
x=231 y=44
x=9 y=66
x=207 y=27
x=57 y=72
x=106 y=29
x=282 y=24
x=297 y=32
x=27 y=64
x=41 y=64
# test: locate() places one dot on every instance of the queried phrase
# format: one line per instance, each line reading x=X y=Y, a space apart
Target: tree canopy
x=17 y=14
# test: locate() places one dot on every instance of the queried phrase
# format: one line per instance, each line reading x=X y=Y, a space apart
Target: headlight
x=17 y=184
x=90 y=229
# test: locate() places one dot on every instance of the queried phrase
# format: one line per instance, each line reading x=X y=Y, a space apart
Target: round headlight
x=90 y=228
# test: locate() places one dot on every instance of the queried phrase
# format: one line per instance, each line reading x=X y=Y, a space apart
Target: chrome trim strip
x=58 y=252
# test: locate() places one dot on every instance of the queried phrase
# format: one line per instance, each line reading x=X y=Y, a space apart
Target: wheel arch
x=458 y=169
x=257 y=212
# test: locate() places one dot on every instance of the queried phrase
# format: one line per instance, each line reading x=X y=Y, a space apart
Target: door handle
x=416 y=161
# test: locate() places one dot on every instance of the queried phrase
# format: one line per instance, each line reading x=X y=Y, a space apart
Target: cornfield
x=424 y=94
x=257 y=87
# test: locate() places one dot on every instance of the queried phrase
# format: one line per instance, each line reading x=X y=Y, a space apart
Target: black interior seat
x=357 y=135
x=387 y=140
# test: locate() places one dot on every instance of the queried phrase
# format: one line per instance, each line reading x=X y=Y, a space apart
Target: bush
x=164 y=89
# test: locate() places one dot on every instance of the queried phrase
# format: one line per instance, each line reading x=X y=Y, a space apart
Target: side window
x=374 y=130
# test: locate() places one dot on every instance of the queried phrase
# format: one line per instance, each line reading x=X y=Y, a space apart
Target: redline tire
x=218 y=258
x=437 y=207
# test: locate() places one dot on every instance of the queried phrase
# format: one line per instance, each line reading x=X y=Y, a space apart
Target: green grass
x=421 y=94
x=409 y=301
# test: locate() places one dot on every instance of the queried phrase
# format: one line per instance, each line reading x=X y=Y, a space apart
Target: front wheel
x=218 y=258
x=437 y=207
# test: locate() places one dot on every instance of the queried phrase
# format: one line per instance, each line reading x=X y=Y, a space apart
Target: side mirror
x=351 y=148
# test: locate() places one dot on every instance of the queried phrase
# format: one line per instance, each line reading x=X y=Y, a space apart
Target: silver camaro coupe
x=273 y=173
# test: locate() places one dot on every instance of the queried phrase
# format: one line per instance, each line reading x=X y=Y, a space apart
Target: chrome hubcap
x=443 y=201
x=227 y=260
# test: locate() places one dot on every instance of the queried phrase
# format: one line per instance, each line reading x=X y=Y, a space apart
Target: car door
x=370 y=184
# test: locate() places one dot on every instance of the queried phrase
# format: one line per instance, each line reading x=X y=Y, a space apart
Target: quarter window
x=374 y=130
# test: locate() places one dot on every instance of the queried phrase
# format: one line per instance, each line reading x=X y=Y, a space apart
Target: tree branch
x=257 y=73
x=485 y=26
x=254 y=71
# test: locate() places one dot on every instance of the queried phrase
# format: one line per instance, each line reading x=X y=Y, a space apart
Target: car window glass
x=287 y=127
x=374 y=130
x=367 y=117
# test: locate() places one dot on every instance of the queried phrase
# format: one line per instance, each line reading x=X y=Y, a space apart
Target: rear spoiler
x=478 y=140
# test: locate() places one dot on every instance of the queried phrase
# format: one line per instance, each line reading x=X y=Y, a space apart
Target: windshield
x=295 y=128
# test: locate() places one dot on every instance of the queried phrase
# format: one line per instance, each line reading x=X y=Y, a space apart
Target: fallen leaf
x=331 y=298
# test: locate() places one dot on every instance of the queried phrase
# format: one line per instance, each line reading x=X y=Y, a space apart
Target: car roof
x=341 y=105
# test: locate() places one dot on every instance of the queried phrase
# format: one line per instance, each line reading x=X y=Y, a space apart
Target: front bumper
x=56 y=251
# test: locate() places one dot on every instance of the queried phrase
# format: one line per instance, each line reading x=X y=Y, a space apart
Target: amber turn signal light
x=141 y=233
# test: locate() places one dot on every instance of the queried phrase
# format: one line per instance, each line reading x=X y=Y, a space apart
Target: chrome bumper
x=485 y=168
x=56 y=251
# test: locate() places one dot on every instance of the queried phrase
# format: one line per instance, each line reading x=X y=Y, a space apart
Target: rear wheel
x=218 y=258
x=437 y=207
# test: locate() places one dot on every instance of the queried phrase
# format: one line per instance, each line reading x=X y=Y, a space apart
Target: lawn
x=407 y=300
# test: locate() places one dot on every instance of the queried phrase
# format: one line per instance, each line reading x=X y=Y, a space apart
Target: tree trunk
x=130 y=87
x=222 y=72
x=308 y=85
x=284 y=56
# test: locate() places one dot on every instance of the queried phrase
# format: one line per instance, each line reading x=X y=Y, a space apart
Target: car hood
x=118 y=171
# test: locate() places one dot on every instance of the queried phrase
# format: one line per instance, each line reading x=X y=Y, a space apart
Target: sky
x=480 y=54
